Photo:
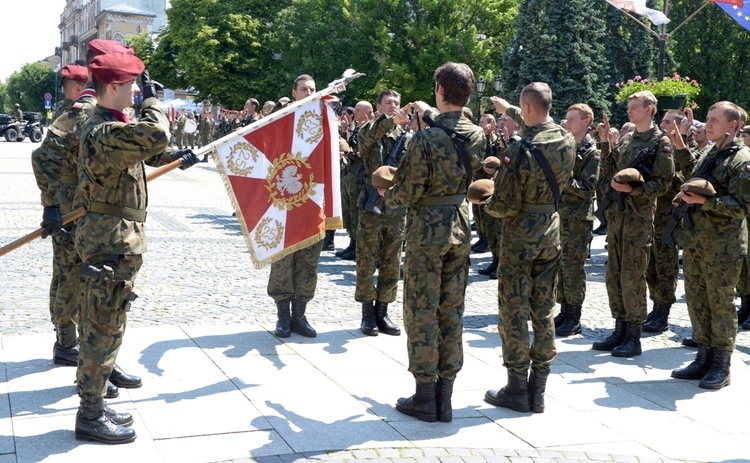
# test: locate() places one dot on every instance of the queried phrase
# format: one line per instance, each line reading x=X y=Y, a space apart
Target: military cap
x=699 y=186
x=491 y=162
x=629 y=175
x=383 y=177
x=481 y=189
x=76 y=73
x=116 y=68
x=105 y=47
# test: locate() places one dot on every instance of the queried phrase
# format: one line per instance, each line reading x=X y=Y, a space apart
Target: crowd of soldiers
x=409 y=173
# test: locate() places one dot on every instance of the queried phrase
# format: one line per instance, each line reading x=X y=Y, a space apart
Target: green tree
x=28 y=86
x=143 y=46
x=411 y=38
x=3 y=97
x=562 y=44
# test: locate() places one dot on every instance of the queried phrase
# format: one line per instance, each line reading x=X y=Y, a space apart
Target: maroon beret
x=75 y=72
x=116 y=68
x=105 y=47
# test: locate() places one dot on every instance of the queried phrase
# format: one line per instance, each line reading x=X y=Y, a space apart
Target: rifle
x=613 y=195
x=394 y=157
x=684 y=210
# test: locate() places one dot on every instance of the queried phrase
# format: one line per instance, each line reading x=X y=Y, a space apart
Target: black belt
x=538 y=208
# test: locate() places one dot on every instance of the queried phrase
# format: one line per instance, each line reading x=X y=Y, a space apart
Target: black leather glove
x=51 y=221
x=187 y=158
x=149 y=87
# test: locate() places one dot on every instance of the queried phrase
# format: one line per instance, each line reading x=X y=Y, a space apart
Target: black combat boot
x=743 y=315
x=369 y=326
x=122 y=419
x=515 y=395
x=699 y=367
x=560 y=318
x=65 y=351
x=299 y=322
x=121 y=379
x=352 y=253
x=631 y=345
x=328 y=241
x=689 y=342
x=385 y=325
x=443 y=394
x=659 y=319
x=283 y=319
x=422 y=404
x=746 y=325
x=92 y=423
x=537 y=385
x=718 y=375
x=490 y=268
x=572 y=323
x=112 y=391
x=341 y=252
x=481 y=246
x=614 y=339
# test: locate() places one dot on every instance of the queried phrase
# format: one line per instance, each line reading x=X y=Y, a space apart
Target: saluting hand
x=687 y=122
x=501 y=105
x=603 y=128
x=675 y=137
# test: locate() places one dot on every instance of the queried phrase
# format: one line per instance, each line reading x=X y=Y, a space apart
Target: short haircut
x=584 y=109
x=457 y=80
x=488 y=116
x=388 y=92
x=743 y=115
x=646 y=98
x=467 y=113
x=253 y=102
x=303 y=77
x=678 y=115
x=347 y=110
x=731 y=110
x=538 y=95
x=99 y=87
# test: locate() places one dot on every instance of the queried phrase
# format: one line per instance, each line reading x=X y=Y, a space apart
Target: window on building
x=118 y=37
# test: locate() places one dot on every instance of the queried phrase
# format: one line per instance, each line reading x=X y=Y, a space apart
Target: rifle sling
x=458 y=143
x=544 y=164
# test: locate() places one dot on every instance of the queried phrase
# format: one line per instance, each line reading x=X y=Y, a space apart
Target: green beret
x=699 y=186
x=481 y=189
x=491 y=162
x=383 y=177
x=629 y=175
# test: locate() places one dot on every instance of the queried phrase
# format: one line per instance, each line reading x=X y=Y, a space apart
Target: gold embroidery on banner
x=239 y=162
x=268 y=233
x=310 y=127
x=290 y=181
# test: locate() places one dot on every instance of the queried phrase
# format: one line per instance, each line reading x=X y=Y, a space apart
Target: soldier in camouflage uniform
x=576 y=222
x=530 y=249
x=432 y=180
x=714 y=248
x=630 y=232
x=110 y=237
x=179 y=129
x=206 y=131
x=743 y=286
x=18 y=113
x=486 y=224
x=380 y=237
x=293 y=279
x=353 y=181
x=251 y=108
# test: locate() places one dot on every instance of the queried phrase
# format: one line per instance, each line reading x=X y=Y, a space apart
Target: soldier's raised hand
x=149 y=87
x=501 y=105
x=675 y=137
x=687 y=122
x=603 y=128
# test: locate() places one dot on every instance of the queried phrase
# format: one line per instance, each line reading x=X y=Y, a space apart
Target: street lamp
x=481 y=84
x=498 y=85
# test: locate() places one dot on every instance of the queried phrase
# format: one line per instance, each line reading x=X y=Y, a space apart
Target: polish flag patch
x=506 y=160
x=77 y=105
x=747 y=167
x=667 y=148
x=597 y=157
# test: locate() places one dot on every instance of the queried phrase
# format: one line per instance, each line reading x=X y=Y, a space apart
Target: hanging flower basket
x=672 y=102
x=672 y=92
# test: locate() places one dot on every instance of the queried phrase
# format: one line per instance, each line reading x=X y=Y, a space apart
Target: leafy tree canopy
x=28 y=86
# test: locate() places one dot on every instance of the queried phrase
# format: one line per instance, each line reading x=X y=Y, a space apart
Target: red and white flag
x=639 y=7
x=282 y=176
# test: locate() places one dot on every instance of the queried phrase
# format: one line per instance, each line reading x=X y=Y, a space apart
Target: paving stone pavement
x=198 y=274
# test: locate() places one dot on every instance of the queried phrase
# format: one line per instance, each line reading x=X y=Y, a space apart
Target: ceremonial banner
x=283 y=178
x=639 y=7
x=737 y=10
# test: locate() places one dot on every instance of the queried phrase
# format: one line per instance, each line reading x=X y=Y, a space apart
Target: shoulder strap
x=544 y=164
x=458 y=143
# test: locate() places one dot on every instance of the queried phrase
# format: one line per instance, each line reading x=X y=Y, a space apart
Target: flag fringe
x=334 y=223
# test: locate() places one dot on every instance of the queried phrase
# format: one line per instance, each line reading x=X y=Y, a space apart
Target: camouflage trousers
x=380 y=238
x=526 y=291
x=575 y=238
x=350 y=191
x=493 y=231
x=180 y=139
x=663 y=264
x=710 y=279
x=65 y=288
x=743 y=285
x=478 y=214
x=296 y=275
x=627 y=260
x=104 y=307
x=435 y=279
x=190 y=140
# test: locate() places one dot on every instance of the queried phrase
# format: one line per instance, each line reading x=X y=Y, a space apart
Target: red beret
x=104 y=47
x=75 y=72
x=116 y=68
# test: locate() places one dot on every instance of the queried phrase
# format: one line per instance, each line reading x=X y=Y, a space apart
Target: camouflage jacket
x=61 y=108
x=376 y=140
x=111 y=171
x=577 y=201
x=55 y=162
x=431 y=167
x=641 y=203
x=179 y=125
x=720 y=225
x=521 y=185
x=205 y=128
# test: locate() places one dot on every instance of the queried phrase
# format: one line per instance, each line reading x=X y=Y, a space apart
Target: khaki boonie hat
x=383 y=177
x=699 y=186
x=629 y=175
x=491 y=162
x=481 y=189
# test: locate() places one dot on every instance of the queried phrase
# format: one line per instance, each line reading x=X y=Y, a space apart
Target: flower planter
x=671 y=102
